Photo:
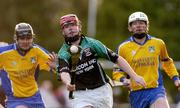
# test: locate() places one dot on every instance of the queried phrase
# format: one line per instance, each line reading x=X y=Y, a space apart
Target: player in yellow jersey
x=145 y=53
x=20 y=63
x=2 y=95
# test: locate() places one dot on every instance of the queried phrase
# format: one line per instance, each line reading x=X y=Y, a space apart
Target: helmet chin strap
x=69 y=40
x=140 y=36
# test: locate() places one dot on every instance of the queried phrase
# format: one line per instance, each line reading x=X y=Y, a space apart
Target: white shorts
x=98 y=98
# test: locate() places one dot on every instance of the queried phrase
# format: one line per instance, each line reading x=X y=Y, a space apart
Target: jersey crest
x=33 y=60
x=151 y=49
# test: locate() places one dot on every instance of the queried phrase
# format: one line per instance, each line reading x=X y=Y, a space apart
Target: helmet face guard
x=23 y=29
x=69 y=18
x=23 y=33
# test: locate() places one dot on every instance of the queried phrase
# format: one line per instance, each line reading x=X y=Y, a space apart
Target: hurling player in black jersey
x=91 y=88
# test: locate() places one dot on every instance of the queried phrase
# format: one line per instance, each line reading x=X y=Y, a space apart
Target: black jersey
x=89 y=73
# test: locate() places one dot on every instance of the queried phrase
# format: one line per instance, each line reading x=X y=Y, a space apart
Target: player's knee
x=1 y=106
x=160 y=103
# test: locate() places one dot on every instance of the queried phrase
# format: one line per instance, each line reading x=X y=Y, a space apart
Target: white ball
x=74 y=49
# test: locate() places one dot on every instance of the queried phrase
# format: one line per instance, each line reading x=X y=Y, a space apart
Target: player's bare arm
x=122 y=63
x=65 y=77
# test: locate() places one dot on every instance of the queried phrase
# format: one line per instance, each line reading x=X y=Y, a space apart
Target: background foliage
x=112 y=15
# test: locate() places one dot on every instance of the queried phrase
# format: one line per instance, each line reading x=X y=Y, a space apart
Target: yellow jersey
x=146 y=60
x=19 y=73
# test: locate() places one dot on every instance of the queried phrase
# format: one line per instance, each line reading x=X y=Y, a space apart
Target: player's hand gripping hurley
x=75 y=54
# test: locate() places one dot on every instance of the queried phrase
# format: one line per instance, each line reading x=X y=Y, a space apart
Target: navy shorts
x=34 y=101
x=144 y=98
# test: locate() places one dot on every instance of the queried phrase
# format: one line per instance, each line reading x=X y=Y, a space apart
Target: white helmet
x=138 y=16
x=23 y=29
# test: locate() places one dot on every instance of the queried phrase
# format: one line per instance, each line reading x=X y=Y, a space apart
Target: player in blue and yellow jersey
x=145 y=53
x=2 y=95
x=91 y=88
x=20 y=63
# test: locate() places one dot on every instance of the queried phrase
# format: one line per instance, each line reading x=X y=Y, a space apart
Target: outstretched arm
x=123 y=64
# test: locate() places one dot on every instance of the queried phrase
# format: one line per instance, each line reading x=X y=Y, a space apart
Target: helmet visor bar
x=24 y=33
